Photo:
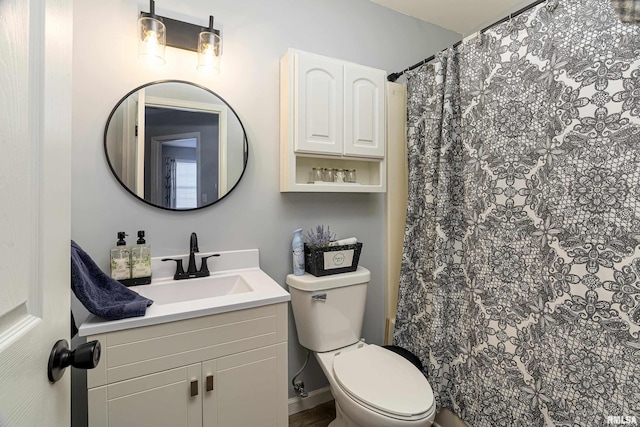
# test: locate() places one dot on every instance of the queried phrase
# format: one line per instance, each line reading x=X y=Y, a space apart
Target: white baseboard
x=315 y=398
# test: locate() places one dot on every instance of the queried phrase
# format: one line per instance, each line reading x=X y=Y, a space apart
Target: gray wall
x=256 y=33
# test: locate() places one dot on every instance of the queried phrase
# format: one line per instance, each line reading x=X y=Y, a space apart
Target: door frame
x=157 y=167
x=220 y=110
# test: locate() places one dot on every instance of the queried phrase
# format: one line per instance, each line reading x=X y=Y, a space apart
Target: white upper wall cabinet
x=332 y=115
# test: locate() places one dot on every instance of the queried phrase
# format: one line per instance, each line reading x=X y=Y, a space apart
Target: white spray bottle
x=298 y=253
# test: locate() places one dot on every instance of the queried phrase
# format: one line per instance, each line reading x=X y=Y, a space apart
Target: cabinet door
x=249 y=389
x=364 y=122
x=318 y=105
x=165 y=399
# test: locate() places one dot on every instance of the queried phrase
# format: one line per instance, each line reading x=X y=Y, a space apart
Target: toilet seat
x=384 y=381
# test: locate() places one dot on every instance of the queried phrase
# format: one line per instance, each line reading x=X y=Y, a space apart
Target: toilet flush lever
x=319 y=297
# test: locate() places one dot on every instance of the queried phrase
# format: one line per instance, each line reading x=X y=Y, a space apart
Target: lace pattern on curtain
x=520 y=281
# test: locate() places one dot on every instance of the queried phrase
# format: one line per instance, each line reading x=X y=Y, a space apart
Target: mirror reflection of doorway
x=179 y=185
x=181 y=152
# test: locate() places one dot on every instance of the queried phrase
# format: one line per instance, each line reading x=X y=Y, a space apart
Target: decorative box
x=331 y=259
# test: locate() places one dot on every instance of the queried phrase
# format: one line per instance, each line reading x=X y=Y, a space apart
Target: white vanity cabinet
x=332 y=115
x=221 y=370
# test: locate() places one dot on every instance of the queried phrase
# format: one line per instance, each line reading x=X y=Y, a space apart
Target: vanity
x=210 y=351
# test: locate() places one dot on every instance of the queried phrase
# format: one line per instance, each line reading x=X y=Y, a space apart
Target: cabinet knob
x=209 y=382
x=194 y=388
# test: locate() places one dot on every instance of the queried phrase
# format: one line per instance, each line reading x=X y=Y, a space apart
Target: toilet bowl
x=375 y=387
x=372 y=386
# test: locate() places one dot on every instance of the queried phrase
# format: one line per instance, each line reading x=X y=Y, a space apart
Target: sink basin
x=194 y=289
x=237 y=283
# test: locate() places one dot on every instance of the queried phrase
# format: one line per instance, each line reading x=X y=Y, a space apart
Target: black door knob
x=85 y=356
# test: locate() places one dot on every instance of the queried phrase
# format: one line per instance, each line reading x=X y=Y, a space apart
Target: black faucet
x=192 y=271
x=193 y=245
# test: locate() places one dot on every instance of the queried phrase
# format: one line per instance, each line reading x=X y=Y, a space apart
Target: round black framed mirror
x=176 y=145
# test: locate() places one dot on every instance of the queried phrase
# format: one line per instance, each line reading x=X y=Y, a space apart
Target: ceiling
x=461 y=16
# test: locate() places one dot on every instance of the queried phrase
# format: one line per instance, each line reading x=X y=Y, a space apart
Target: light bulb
x=152 y=40
x=209 y=52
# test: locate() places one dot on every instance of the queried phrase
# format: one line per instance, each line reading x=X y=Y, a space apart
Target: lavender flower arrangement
x=319 y=237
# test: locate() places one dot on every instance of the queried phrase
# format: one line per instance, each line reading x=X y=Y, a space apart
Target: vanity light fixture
x=151 y=36
x=209 y=49
x=157 y=31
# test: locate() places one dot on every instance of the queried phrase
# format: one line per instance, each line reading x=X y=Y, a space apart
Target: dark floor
x=322 y=415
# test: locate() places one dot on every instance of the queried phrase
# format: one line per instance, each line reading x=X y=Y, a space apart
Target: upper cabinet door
x=319 y=105
x=364 y=109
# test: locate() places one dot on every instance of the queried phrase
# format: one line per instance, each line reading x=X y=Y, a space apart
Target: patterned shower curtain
x=520 y=283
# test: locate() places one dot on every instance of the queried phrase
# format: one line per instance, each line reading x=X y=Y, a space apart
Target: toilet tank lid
x=309 y=282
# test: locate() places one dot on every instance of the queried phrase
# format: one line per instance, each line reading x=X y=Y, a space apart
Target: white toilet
x=371 y=385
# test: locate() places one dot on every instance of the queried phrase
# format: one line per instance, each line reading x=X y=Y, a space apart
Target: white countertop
x=244 y=264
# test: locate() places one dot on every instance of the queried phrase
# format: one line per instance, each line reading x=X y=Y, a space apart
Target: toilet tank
x=329 y=310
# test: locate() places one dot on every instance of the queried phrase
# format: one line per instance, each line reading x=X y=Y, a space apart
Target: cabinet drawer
x=141 y=351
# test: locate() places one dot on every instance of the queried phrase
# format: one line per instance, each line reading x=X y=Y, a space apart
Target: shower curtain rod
x=394 y=76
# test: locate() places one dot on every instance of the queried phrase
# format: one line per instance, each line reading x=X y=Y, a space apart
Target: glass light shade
x=151 y=40
x=209 y=52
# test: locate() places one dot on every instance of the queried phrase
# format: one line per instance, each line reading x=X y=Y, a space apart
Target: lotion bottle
x=121 y=259
x=298 y=253
x=141 y=259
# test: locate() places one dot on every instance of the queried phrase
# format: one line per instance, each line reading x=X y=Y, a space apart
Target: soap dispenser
x=121 y=259
x=141 y=261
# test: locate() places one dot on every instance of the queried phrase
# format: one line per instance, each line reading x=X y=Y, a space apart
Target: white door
x=162 y=399
x=129 y=160
x=364 y=111
x=35 y=142
x=318 y=105
x=246 y=389
x=140 y=142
